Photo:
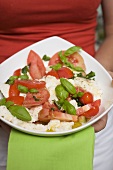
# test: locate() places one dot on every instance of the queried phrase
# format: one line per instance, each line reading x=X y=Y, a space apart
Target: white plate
x=49 y=46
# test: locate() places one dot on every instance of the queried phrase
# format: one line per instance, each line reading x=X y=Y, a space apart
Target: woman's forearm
x=105 y=53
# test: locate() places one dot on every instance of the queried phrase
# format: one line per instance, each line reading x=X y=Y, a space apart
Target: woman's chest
x=19 y=13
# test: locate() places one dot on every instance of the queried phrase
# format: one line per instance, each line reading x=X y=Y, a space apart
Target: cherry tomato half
x=86 y=98
x=92 y=112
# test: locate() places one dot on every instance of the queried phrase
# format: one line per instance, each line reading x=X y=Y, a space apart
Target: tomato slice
x=36 y=99
x=87 y=107
x=16 y=99
x=36 y=65
x=17 y=72
x=13 y=90
x=31 y=83
x=53 y=73
x=55 y=59
x=77 y=60
x=65 y=72
x=96 y=102
x=92 y=112
x=86 y=98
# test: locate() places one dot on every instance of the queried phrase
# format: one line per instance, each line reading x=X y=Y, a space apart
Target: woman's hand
x=101 y=124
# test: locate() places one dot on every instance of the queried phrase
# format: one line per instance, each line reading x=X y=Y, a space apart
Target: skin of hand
x=101 y=124
x=105 y=53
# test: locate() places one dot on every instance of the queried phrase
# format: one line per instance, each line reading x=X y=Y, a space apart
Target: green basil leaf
x=56 y=67
x=23 y=89
x=64 y=59
x=9 y=103
x=46 y=58
x=2 y=101
x=20 y=112
x=90 y=75
x=24 y=77
x=25 y=69
x=72 y=50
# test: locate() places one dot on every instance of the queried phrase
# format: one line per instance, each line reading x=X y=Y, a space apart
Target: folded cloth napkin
x=70 y=152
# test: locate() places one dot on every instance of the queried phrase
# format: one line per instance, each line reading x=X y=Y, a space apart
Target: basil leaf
x=9 y=103
x=24 y=77
x=2 y=101
x=90 y=75
x=20 y=112
x=64 y=59
x=22 y=89
x=46 y=58
x=56 y=67
x=25 y=69
x=71 y=50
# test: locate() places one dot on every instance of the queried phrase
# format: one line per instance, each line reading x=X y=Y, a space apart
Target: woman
x=24 y=23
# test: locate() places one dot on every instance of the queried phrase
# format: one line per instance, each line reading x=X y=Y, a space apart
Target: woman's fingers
x=101 y=124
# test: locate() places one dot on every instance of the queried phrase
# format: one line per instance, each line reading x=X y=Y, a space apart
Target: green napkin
x=71 y=152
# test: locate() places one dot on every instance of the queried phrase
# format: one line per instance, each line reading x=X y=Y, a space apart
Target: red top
x=23 y=23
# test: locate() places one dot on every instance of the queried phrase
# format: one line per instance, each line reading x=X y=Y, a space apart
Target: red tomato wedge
x=36 y=65
x=65 y=72
x=92 y=112
x=53 y=73
x=17 y=72
x=36 y=99
x=16 y=99
x=96 y=103
x=13 y=90
x=31 y=83
x=87 y=107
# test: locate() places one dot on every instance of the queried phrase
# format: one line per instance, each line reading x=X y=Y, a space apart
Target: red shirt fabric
x=23 y=23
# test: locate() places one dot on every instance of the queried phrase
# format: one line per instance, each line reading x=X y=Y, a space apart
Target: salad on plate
x=51 y=93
